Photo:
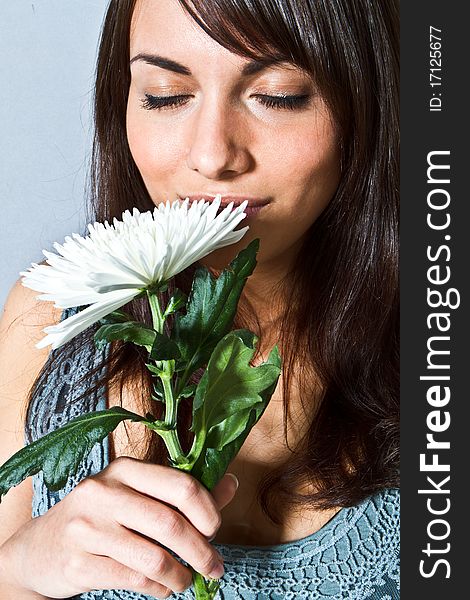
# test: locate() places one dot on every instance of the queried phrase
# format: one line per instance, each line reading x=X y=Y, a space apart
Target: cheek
x=314 y=156
x=310 y=170
x=155 y=152
x=304 y=181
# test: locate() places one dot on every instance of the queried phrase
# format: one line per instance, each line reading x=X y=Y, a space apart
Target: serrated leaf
x=211 y=308
x=164 y=348
x=59 y=453
x=224 y=441
x=131 y=331
x=229 y=400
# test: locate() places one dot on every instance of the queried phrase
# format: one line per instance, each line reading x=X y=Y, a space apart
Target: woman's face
x=202 y=120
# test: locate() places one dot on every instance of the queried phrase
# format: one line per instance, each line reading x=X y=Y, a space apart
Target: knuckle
x=155 y=563
x=87 y=488
x=73 y=568
x=119 y=464
x=215 y=524
x=172 y=526
x=208 y=563
x=78 y=527
x=191 y=492
x=184 y=583
x=190 y=489
x=138 y=581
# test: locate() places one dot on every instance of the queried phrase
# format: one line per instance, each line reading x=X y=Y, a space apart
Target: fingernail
x=235 y=479
x=217 y=572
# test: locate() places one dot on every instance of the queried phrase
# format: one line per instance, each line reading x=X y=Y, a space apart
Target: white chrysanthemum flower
x=115 y=263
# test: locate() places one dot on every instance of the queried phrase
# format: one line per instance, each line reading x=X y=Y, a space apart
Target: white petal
x=68 y=328
x=115 y=262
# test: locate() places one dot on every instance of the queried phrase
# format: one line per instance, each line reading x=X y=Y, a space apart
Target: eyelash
x=276 y=102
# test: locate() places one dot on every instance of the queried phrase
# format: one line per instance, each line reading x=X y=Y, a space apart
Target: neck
x=266 y=287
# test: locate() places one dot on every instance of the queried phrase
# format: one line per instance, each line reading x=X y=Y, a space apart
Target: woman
x=293 y=105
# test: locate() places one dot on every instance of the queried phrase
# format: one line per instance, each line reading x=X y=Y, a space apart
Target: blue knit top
x=355 y=556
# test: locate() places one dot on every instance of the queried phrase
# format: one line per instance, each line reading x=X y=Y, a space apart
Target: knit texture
x=355 y=556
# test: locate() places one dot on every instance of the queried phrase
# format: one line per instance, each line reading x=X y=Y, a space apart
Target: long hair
x=341 y=320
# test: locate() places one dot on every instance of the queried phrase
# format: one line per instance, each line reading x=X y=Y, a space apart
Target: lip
x=255 y=204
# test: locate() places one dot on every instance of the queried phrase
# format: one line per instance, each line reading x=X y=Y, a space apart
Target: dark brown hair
x=341 y=320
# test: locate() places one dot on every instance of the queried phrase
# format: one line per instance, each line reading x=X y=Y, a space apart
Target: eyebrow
x=254 y=66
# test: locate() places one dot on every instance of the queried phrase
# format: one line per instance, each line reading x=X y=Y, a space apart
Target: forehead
x=165 y=28
x=164 y=24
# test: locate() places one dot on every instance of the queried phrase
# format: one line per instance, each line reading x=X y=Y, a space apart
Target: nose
x=218 y=141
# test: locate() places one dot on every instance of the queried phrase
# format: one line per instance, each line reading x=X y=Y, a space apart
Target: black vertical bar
x=434 y=260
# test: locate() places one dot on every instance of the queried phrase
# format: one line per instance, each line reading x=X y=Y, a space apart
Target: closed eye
x=292 y=102
x=158 y=102
x=287 y=102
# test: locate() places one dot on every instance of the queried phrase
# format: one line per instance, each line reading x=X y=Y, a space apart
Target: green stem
x=204 y=589
x=168 y=433
x=170 y=437
x=157 y=314
x=172 y=443
x=171 y=405
x=183 y=380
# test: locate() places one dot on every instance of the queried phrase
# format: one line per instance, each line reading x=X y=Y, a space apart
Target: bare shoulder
x=23 y=319
x=21 y=324
x=24 y=316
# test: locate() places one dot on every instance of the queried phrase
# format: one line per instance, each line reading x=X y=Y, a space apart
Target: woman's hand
x=102 y=535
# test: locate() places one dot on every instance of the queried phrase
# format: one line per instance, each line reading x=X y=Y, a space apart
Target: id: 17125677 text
x=435 y=68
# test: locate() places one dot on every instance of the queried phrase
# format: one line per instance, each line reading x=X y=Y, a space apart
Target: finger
x=174 y=487
x=141 y=556
x=104 y=573
x=224 y=491
x=162 y=523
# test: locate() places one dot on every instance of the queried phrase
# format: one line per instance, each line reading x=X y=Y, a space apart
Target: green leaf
x=210 y=468
x=211 y=308
x=154 y=369
x=163 y=348
x=158 y=393
x=188 y=391
x=117 y=316
x=177 y=301
x=59 y=453
x=131 y=331
x=229 y=400
x=204 y=589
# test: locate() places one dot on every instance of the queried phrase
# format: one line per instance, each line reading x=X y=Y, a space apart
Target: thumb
x=224 y=491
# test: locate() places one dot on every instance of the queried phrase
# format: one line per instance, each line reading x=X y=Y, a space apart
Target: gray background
x=48 y=51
